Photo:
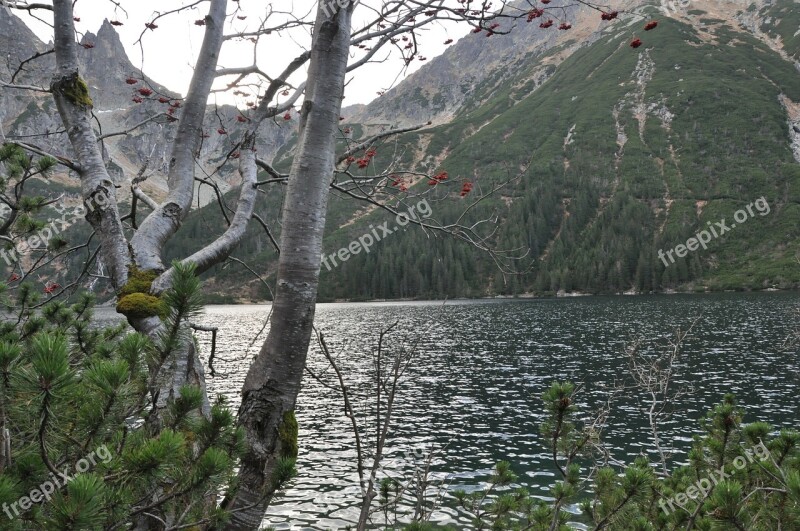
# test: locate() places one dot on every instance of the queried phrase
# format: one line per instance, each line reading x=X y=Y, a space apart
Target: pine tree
x=75 y=400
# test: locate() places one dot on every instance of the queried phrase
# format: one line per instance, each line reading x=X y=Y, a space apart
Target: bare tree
x=273 y=381
x=414 y=481
x=654 y=375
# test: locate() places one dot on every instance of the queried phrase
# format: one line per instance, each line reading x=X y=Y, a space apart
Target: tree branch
x=74 y=104
x=147 y=244
x=267 y=167
x=221 y=248
x=25 y=6
x=143 y=197
x=39 y=151
x=366 y=143
x=24 y=87
x=133 y=127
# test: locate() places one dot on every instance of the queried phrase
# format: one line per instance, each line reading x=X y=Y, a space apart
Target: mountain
x=18 y=43
x=473 y=66
x=615 y=156
x=106 y=67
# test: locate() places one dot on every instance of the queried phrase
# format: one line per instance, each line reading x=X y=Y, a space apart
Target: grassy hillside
x=630 y=152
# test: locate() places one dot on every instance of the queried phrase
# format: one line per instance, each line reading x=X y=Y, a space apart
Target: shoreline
x=523 y=296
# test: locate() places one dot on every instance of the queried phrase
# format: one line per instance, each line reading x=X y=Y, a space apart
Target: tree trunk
x=184 y=367
x=273 y=381
x=74 y=104
x=148 y=242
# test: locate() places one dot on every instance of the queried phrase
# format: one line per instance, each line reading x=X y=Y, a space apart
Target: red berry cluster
x=51 y=287
x=367 y=158
x=436 y=179
x=535 y=13
x=399 y=183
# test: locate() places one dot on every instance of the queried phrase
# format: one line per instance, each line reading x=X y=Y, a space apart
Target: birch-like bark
x=222 y=247
x=273 y=382
x=185 y=367
x=148 y=243
x=73 y=101
x=71 y=95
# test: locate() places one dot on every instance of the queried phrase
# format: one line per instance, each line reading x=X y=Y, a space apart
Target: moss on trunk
x=287 y=435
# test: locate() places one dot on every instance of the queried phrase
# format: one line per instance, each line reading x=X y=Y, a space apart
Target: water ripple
x=480 y=370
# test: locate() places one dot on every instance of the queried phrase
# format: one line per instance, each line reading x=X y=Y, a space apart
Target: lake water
x=480 y=368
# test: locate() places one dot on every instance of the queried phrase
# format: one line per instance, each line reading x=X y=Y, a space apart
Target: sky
x=167 y=53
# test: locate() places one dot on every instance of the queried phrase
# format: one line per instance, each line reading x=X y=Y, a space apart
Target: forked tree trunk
x=145 y=251
x=149 y=241
x=273 y=381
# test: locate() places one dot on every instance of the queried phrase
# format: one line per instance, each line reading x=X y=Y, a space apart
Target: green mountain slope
x=628 y=152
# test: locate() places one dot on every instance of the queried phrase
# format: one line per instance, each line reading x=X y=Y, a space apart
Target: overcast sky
x=167 y=53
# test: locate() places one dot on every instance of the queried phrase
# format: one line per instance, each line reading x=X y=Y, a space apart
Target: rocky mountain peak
x=17 y=41
x=107 y=29
x=475 y=65
x=106 y=42
x=106 y=66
